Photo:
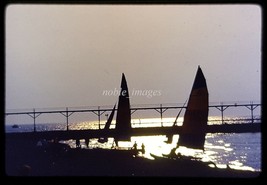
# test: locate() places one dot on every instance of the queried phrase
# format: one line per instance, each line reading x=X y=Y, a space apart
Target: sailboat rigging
x=175 y=121
x=169 y=140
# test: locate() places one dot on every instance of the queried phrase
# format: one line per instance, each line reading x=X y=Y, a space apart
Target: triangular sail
x=196 y=115
x=123 y=119
x=170 y=137
x=110 y=118
x=107 y=125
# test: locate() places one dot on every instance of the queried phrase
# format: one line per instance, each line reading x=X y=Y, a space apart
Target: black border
x=132 y=180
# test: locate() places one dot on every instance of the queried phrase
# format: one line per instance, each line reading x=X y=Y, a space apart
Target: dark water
x=240 y=151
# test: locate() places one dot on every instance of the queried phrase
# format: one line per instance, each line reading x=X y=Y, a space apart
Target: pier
x=251 y=124
x=151 y=131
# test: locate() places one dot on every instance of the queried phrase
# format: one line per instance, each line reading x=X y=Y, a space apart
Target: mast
x=196 y=114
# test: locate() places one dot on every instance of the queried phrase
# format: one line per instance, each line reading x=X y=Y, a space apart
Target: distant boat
x=123 y=119
x=15 y=126
x=196 y=115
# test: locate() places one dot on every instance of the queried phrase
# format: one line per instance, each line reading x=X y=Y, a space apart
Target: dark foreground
x=24 y=158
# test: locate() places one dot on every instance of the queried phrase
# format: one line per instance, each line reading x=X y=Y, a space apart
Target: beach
x=25 y=158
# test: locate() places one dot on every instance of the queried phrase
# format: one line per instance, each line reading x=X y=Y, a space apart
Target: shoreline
x=24 y=158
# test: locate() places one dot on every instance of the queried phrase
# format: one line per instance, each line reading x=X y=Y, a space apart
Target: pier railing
x=160 y=108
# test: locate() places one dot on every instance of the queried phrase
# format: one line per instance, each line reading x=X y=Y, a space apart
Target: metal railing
x=160 y=108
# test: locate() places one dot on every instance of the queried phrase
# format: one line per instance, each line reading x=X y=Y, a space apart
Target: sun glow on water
x=155 y=122
x=218 y=147
x=232 y=150
x=219 y=155
x=153 y=144
x=145 y=122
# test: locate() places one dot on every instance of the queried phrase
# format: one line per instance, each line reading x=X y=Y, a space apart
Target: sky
x=74 y=55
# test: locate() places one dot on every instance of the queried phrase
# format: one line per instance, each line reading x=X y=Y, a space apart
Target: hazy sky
x=68 y=55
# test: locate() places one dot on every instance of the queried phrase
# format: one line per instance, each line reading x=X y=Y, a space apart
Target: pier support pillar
x=34 y=115
x=222 y=108
x=161 y=111
x=98 y=113
x=67 y=114
x=251 y=107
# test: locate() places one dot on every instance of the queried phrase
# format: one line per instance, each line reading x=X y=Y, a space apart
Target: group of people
x=78 y=143
x=134 y=148
x=172 y=153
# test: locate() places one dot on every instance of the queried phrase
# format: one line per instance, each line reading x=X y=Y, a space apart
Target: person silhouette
x=143 y=148
x=87 y=142
x=172 y=153
x=78 y=144
x=134 y=148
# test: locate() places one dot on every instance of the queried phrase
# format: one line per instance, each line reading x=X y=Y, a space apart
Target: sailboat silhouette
x=195 y=118
x=123 y=119
x=196 y=115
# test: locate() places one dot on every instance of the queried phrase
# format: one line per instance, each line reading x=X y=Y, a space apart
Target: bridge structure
x=252 y=124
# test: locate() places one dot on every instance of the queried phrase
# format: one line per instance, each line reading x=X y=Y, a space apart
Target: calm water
x=240 y=151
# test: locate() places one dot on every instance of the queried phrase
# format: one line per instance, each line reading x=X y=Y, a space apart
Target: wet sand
x=24 y=158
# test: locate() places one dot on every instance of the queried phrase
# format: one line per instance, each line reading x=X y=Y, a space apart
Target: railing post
x=34 y=125
x=222 y=113
x=99 y=113
x=99 y=117
x=34 y=116
x=67 y=117
x=67 y=114
x=251 y=108
x=161 y=115
x=252 y=117
x=161 y=111
x=222 y=108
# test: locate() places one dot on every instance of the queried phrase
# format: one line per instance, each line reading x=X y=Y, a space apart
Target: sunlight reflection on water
x=217 y=152
x=239 y=151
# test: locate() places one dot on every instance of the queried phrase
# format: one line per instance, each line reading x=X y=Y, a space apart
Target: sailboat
x=195 y=118
x=123 y=119
x=196 y=115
